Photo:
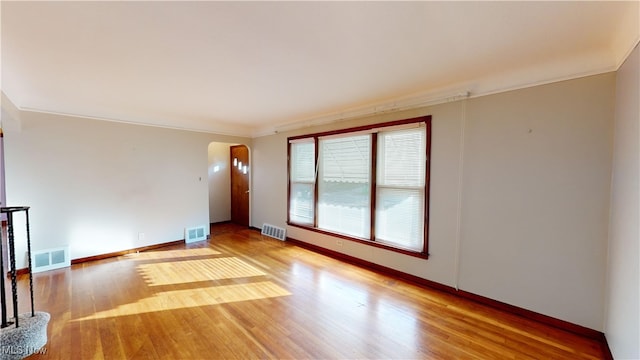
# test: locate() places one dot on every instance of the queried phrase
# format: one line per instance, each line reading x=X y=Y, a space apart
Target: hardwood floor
x=244 y=296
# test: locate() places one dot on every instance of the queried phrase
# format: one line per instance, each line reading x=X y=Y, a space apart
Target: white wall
x=536 y=200
x=533 y=206
x=96 y=185
x=219 y=182
x=269 y=177
x=622 y=327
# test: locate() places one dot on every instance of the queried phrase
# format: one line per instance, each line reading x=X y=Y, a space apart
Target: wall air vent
x=274 y=232
x=49 y=259
x=195 y=234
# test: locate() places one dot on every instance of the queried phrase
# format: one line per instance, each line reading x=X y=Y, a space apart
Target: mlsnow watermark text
x=21 y=350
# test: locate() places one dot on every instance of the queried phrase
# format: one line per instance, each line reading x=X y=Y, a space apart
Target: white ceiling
x=249 y=68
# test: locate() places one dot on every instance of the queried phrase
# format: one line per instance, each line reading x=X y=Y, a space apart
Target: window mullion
x=288 y=182
x=373 y=189
x=315 y=182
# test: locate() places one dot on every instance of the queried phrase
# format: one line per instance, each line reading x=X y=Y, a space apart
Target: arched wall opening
x=219 y=181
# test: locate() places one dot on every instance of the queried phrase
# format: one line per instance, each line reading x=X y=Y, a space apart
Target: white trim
x=131 y=122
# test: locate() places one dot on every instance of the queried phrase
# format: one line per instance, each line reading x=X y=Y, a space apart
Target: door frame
x=219 y=163
x=239 y=179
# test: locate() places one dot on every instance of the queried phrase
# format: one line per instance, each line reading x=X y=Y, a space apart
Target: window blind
x=302 y=182
x=345 y=159
x=400 y=188
x=344 y=196
x=303 y=161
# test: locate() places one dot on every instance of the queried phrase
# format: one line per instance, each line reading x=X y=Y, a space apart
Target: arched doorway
x=229 y=183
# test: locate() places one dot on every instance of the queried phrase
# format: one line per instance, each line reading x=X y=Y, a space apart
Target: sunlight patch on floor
x=178 y=299
x=186 y=271
x=172 y=254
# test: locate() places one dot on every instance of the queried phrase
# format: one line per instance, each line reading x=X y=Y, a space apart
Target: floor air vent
x=195 y=234
x=274 y=231
x=49 y=259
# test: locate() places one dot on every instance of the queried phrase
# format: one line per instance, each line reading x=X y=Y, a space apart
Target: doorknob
x=246 y=192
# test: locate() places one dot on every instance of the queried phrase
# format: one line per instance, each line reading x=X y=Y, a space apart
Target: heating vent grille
x=49 y=259
x=274 y=231
x=194 y=234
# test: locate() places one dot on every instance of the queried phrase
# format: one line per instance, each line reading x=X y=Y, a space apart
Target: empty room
x=320 y=180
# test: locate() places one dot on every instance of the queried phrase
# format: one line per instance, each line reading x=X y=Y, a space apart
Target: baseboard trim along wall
x=125 y=252
x=524 y=313
x=25 y=271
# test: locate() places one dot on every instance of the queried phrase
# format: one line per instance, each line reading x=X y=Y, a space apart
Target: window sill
x=362 y=241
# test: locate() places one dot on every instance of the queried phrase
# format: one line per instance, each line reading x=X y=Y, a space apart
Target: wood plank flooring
x=244 y=296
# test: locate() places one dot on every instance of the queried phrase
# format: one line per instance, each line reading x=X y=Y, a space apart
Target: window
x=302 y=182
x=367 y=184
x=400 y=188
x=344 y=196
